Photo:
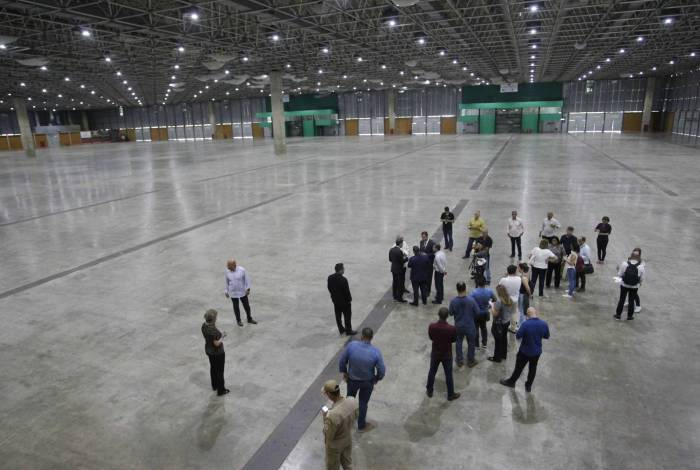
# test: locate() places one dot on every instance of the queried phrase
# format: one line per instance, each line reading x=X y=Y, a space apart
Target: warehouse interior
x=145 y=143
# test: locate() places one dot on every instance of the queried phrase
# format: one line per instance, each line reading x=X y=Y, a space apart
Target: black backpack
x=631 y=276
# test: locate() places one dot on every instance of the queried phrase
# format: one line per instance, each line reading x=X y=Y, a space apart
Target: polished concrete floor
x=111 y=254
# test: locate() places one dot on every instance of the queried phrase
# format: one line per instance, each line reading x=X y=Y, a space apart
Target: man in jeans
x=362 y=366
x=465 y=310
x=443 y=335
x=530 y=334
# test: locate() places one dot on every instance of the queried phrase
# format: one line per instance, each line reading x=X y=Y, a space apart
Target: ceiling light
x=532 y=57
x=200 y=92
x=532 y=64
x=172 y=77
x=359 y=59
x=532 y=70
x=22 y=84
x=43 y=90
x=654 y=68
x=533 y=31
x=641 y=73
x=441 y=52
x=289 y=66
x=275 y=37
x=44 y=68
x=471 y=74
x=129 y=88
x=325 y=50
x=60 y=95
x=194 y=16
x=668 y=20
x=181 y=49
x=119 y=74
x=67 y=79
x=320 y=71
x=364 y=80
x=464 y=69
x=534 y=46
x=244 y=58
x=533 y=8
x=345 y=76
x=92 y=92
x=671 y=62
x=692 y=54
x=384 y=66
x=454 y=62
x=82 y=86
x=622 y=51
x=176 y=66
x=597 y=67
x=421 y=41
x=236 y=89
x=640 y=39
x=85 y=33
x=318 y=83
x=391 y=22
x=607 y=60
x=125 y=82
x=401 y=72
x=108 y=59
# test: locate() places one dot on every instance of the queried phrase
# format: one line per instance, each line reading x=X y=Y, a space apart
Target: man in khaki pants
x=338 y=424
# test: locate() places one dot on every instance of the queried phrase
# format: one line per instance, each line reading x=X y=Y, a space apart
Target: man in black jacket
x=398 y=270
x=421 y=267
x=340 y=295
x=427 y=246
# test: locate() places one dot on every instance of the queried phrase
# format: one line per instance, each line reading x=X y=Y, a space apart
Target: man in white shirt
x=440 y=268
x=237 y=289
x=512 y=283
x=585 y=252
x=515 y=230
x=550 y=227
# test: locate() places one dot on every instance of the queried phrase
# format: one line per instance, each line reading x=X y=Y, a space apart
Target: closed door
x=352 y=127
x=508 y=121
x=404 y=126
x=258 y=131
x=448 y=125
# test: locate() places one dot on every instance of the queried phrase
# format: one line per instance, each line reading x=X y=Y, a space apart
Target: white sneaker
x=637 y=308
x=567 y=296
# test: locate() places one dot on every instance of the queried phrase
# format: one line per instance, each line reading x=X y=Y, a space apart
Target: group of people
x=507 y=307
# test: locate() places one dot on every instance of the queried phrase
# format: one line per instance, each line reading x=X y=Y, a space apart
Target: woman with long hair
x=502 y=311
x=539 y=257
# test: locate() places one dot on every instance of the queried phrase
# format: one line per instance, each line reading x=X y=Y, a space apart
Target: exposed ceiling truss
x=166 y=55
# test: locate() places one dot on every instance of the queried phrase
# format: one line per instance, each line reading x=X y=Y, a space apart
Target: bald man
x=237 y=289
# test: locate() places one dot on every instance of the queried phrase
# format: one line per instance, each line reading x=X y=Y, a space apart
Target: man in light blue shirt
x=465 y=310
x=237 y=289
x=362 y=366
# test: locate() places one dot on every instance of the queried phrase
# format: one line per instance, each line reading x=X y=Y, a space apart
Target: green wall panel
x=309 y=128
x=308 y=101
x=546 y=91
x=511 y=104
x=487 y=123
x=529 y=123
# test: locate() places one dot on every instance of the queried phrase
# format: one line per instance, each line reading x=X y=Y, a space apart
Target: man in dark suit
x=421 y=267
x=398 y=270
x=340 y=295
x=427 y=246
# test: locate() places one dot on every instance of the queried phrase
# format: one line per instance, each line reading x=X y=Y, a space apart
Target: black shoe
x=415 y=304
x=402 y=301
x=223 y=392
x=506 y=383
x=437 y=302
x=630 y=318
x=465 y=257
x=492 y=359
x=425 y=303
x=454 y=396
x=512 y=256
x=240 y=323
x=429 y=393
x=341 y=331
x=252 y=322
x=351 y=332
x=617 y=317
x=528 y=388
x=472 y=364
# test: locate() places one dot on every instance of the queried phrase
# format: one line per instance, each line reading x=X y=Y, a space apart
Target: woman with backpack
x=571 y=264
x=503 y=310
x=631 y=273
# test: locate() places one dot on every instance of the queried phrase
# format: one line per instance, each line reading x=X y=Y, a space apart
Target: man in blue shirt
x=482 y=295
x=465 y=310
x=362 y=366
x=530 y=335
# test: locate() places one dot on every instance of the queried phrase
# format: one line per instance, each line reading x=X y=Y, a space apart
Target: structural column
x=391 y=111
x=278 y=130
x=85 y=125
x=212 y=119
x=648 y=103
x=25 y=127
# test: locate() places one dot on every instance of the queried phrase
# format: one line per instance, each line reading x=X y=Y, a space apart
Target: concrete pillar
x=85 y=126
x=648 y=103
x=212 y=118
x=278 y=130
x=391 y=111
x=24 y=127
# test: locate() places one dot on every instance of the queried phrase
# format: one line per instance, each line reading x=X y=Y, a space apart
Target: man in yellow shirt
x=476 y=227
x=338 y=424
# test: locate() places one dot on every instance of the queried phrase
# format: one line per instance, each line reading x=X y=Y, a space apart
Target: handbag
x=588 y=268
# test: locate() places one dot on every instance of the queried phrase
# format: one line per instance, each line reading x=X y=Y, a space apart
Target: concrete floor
x=111 y=253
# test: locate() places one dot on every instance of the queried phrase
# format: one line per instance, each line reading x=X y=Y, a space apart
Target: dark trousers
x=471 y=345
x=421 y=286
x=343 y=310
x=447 y=367
x=500 y=339
x=626 y=292
x=520 y=361
x=480 y=322
x=398 y=284
x=430 y=281
x=237 y=310
x=540 y=273
x=581 y=279
x=553 y=268
x=447 y=233
x=549 y=239
x=364 y=387
x=515 y=241
x=470 y=243
x=439 y=286
x=216 y=371
x=602 y=245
